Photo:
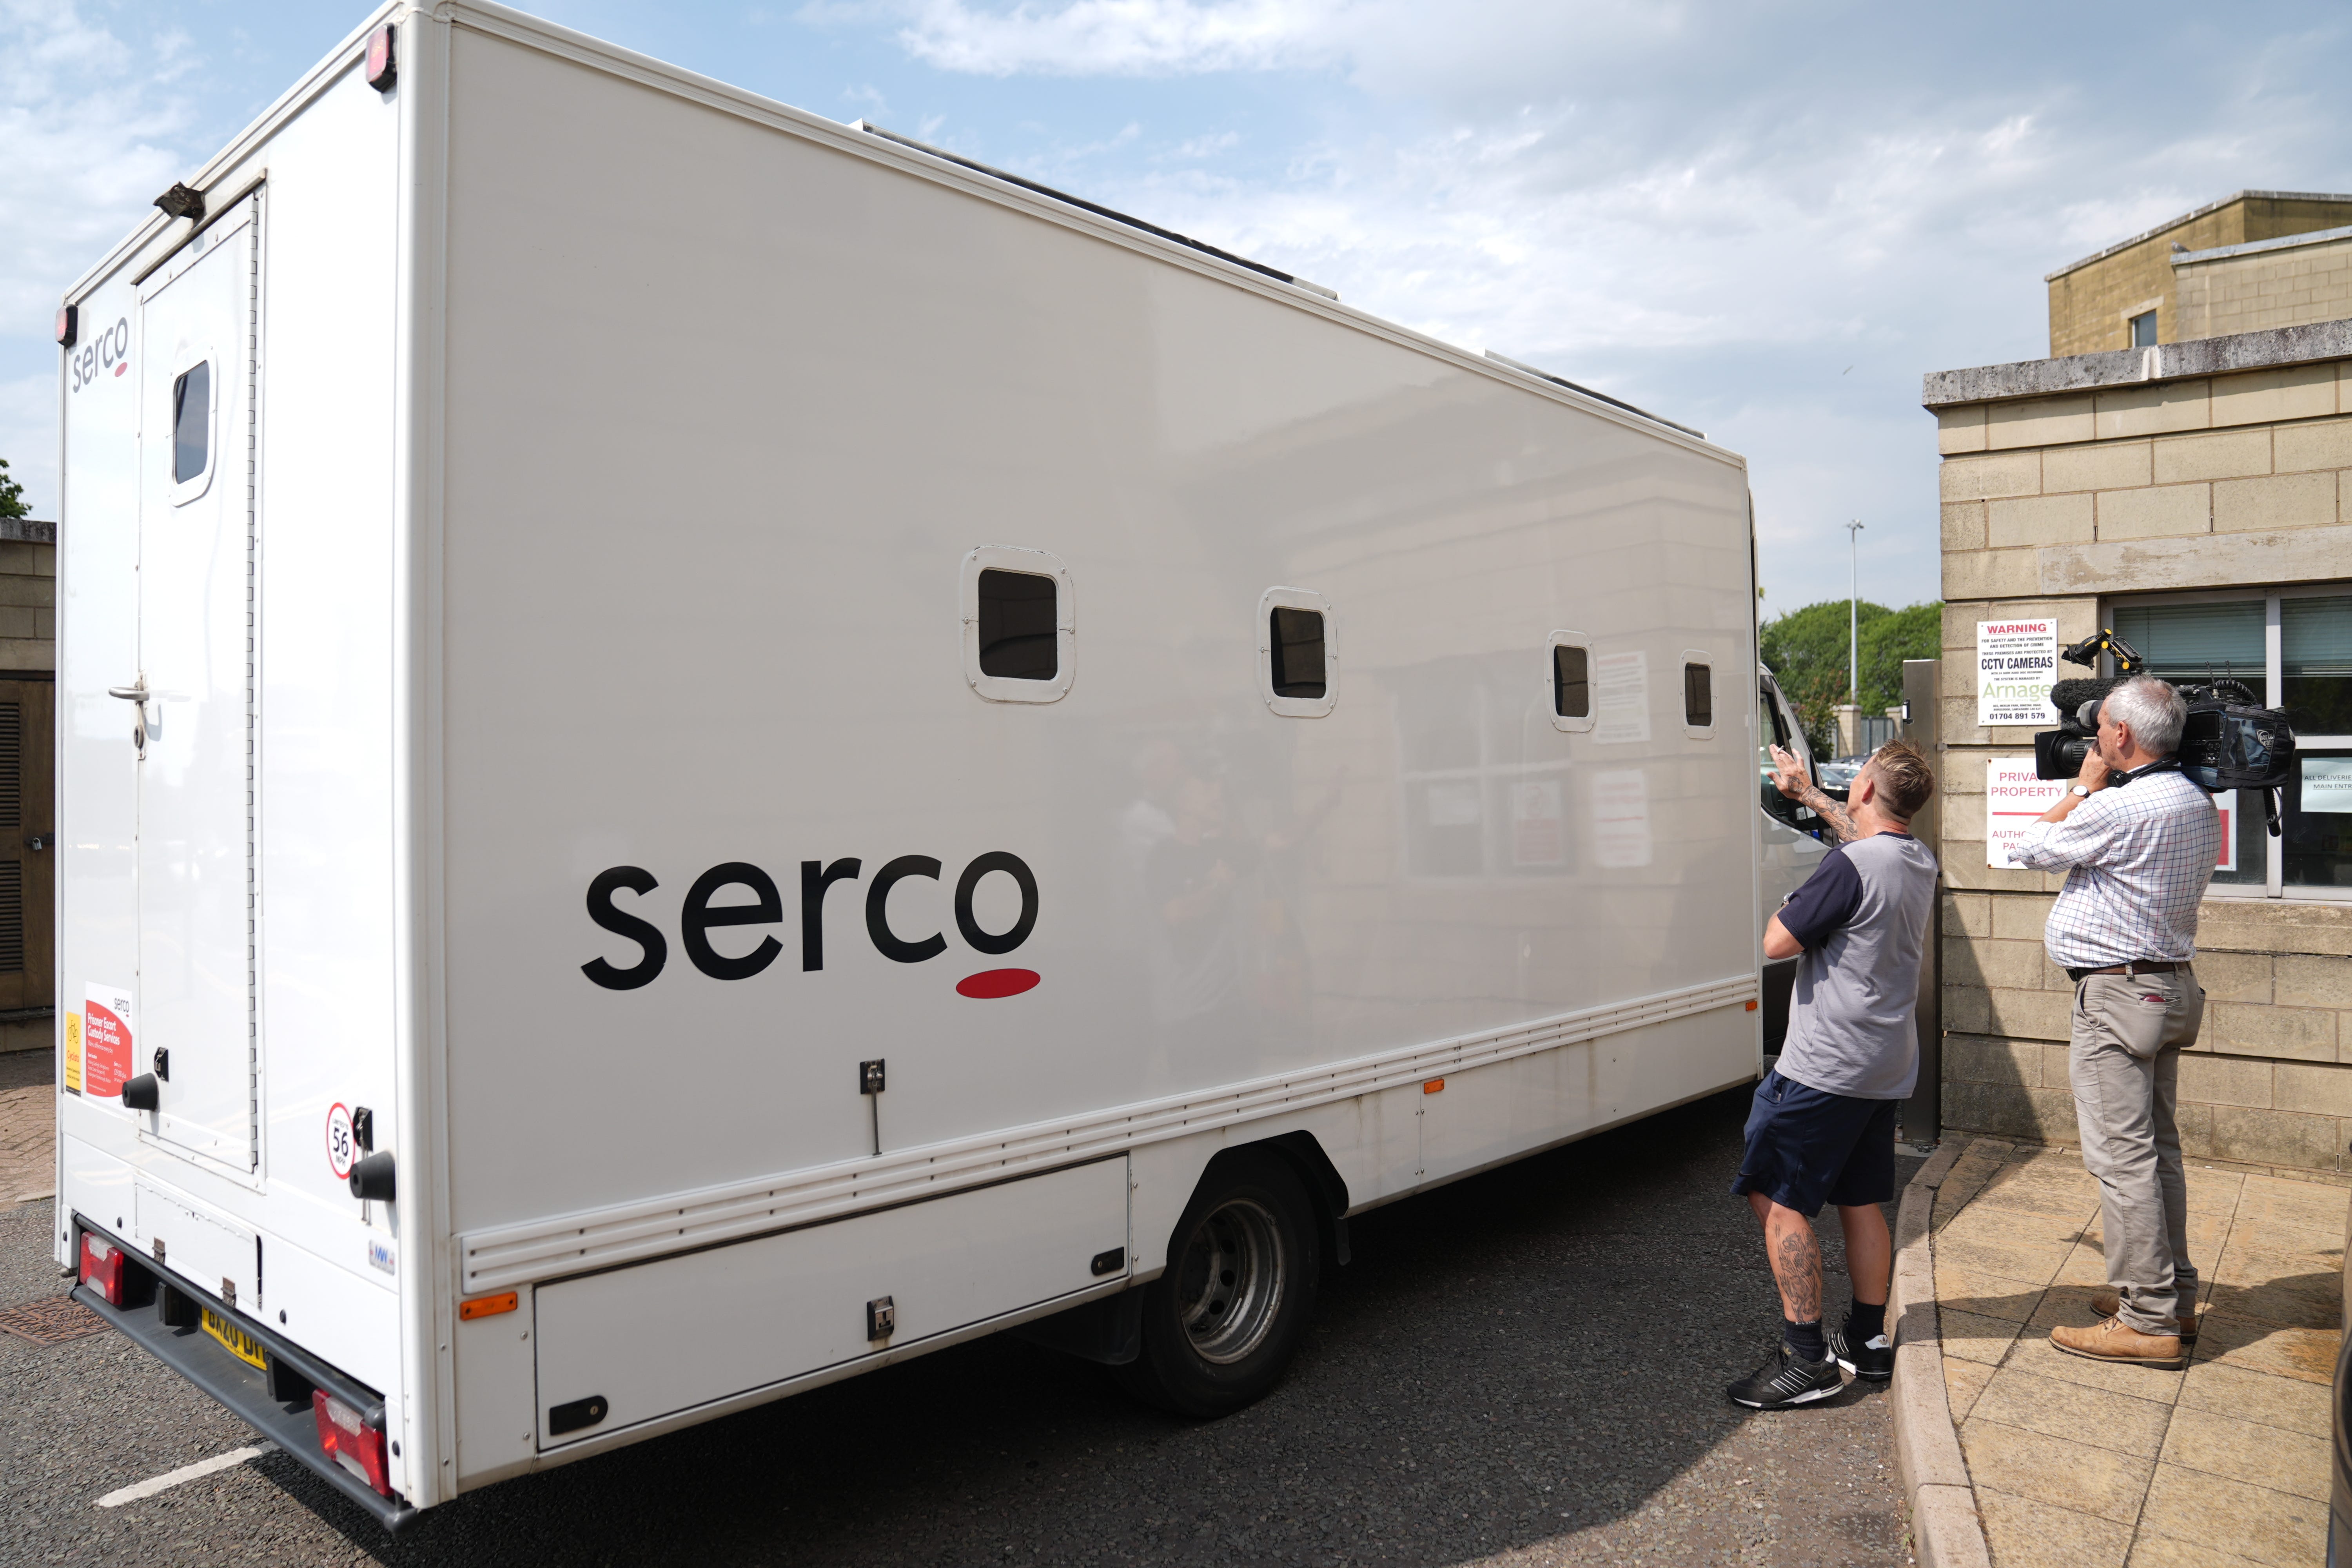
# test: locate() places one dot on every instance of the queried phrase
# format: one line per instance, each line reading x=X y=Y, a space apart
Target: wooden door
x=27 y=846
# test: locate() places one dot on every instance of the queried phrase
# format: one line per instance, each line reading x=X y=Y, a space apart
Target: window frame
x=2270 y=597
x=1565 y=723
x=1278 y=598
x=1707 y=661
x=1030 y=563
x=180 y=492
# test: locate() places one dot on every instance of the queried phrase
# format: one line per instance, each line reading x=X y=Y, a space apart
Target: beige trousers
x=2124 y=1062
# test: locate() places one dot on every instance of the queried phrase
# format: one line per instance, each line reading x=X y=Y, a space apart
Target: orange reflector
x=1433 y=1085
x=487 y=1306
x=1751 y=1003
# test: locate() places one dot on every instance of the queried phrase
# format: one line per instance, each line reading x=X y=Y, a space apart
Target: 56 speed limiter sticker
x=343 y=1146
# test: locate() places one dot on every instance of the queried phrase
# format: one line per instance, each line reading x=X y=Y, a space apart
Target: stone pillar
x=1848 y=729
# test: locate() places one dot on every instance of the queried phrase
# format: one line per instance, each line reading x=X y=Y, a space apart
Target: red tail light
x=344 y=1433
x=104 y=1268
x=382 y=66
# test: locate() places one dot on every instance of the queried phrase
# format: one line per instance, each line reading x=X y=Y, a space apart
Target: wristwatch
x=2083 y=789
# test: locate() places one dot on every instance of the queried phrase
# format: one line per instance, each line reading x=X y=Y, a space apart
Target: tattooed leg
x=1796 y=1263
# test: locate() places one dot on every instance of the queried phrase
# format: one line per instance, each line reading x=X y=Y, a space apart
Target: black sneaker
x=1873 y=1359
x=1785 y=1381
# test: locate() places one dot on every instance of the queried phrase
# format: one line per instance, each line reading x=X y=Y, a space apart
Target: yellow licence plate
x=240 y=1344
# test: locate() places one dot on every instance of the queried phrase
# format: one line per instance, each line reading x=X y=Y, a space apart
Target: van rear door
x=194 y=690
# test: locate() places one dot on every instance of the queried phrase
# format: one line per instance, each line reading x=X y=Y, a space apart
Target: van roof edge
x=870 y=129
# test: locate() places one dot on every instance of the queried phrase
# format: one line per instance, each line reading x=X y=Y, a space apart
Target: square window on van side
x=1571 y=681
x=192 y=420
x=1698 y=697
x=1297 y=652
x=1016 y=626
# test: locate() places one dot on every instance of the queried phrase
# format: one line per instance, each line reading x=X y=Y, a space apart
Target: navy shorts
x=1807 y=1147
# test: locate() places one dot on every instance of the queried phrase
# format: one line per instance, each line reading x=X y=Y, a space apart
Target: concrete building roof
x=2255 y=246
x=2191 y=217
x=2126 y=367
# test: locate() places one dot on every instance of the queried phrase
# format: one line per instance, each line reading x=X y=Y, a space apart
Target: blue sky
x=1766 y=220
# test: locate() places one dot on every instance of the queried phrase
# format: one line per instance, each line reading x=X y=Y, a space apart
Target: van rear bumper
x=245 y=1390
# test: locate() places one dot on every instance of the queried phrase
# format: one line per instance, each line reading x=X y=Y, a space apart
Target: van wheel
x=1242 y=1267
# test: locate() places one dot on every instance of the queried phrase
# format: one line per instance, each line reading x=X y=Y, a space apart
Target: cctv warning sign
x=2017 y=663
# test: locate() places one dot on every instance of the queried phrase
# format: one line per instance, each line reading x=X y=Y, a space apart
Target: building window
x=2143 y=330
x=2293 y=649
x=1487 y=790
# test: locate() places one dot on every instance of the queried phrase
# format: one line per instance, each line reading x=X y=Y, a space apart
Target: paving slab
x=2225 y=1464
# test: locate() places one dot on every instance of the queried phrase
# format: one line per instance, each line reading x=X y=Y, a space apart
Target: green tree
x=1806 y=652
x=12 y=494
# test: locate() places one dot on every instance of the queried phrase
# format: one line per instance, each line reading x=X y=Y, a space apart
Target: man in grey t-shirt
x=1823 y=1126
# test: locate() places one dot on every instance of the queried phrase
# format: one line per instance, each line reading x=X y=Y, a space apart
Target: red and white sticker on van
x=105 y=1041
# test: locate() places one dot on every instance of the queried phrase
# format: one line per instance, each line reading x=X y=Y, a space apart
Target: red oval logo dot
x=991 y=983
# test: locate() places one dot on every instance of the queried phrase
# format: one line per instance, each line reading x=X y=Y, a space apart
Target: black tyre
x=1242 y=1267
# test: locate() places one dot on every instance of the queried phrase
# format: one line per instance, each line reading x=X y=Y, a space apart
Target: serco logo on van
x=698 y=915
x=109 y=350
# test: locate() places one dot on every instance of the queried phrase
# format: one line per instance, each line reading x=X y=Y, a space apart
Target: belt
x=2137 y=966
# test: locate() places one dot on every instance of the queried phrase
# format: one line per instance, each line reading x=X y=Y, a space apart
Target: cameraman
x=2124 y=930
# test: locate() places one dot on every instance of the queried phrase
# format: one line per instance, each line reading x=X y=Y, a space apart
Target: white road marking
x=185 y=1474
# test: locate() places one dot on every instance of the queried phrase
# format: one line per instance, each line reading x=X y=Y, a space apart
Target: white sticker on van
x=343 y=1146
x=380 y=1256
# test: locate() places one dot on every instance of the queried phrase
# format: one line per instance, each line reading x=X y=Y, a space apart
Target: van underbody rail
x=244 y=1389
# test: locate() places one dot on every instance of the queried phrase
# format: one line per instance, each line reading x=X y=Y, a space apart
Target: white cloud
x=92 y=134
x=1095 y=38
x=1709 y=211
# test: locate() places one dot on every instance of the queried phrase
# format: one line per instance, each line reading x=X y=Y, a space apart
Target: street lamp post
x=1854 y=613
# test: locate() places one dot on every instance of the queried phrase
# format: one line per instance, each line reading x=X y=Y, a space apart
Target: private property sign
x=2017 y=663
x=2013 y=799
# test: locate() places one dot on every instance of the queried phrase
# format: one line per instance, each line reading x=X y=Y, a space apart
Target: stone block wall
x=2296 y=282
x=28 y=599
x=2091 y=302
x=2050 y=503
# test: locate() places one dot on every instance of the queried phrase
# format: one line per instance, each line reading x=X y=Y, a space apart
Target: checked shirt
x=2140 y=854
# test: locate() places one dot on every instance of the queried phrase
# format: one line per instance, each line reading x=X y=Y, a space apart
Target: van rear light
x=382 y=68
x=105 y=1269
x=344 y=1433
x=68 y=325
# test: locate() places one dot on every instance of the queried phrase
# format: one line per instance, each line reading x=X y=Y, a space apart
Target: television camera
x=2230 y=742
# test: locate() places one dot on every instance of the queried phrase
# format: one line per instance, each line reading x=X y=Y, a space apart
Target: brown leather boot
x=2106 y=1303
x=2116 y=1340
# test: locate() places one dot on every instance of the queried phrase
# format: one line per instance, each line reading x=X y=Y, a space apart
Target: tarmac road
x=1527 y=1367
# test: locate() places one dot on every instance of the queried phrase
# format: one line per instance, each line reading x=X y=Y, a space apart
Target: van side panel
x=712 y=465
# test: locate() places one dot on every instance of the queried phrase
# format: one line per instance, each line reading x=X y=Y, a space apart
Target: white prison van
x=701 y=748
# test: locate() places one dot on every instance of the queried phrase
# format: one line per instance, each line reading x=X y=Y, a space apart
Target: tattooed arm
x=1792 y=782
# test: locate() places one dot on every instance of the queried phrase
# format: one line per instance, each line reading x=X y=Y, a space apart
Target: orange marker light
x=487 y=1306
x=1433 y=1086
x=1751 y=1003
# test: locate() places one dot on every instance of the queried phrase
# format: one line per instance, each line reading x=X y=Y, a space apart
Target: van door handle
x=140 y=695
